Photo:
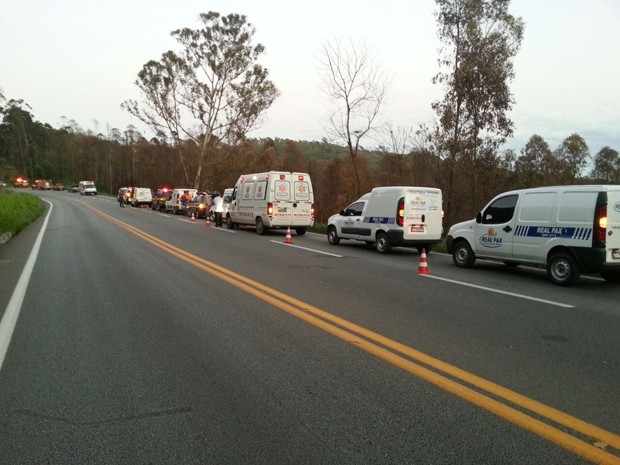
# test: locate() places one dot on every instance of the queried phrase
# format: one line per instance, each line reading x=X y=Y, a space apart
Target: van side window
x=247 y=191
x=261 y=190
x=355 y=209
x=500 y=211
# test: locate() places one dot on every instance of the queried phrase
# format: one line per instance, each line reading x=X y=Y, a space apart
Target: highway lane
x=371 y=412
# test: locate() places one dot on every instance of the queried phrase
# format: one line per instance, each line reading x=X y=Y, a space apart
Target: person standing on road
x=218 y=208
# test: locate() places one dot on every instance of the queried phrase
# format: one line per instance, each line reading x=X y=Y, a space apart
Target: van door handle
x=507 y=229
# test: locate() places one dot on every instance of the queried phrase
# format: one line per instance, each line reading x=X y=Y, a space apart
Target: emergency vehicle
x=270 y=200
x=391 y=216
x=87 y=188
x=568 y=229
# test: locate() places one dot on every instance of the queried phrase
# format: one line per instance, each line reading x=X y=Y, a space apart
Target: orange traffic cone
x=288 y=239
x=193 y=218
x=208 y=222
x=423 y=266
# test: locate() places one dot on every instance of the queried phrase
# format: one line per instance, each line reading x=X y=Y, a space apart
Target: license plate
x=282 y=209
x=417 y=228
x=615 y=253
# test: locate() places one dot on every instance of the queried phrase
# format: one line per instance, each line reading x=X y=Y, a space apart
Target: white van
x=569 y=229
x=390 y=217
x=141 y=196
x=275 y=199
x=175 y=204
x=87 y=188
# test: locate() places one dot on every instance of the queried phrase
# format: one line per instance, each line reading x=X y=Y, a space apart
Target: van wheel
x=562 y=269
x=611 y=276
x=383 y=243
x=300 y=231
x=463 y=256
x=260 y=227
x=229 y=223
x=332 y=235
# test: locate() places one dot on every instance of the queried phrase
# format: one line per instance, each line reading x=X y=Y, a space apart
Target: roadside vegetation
x=201 y=107
x=17 y=211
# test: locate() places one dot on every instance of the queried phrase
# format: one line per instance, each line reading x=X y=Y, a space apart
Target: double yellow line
x=588 y=441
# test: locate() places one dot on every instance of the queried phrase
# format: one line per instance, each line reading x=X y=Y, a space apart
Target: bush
x=17 y=211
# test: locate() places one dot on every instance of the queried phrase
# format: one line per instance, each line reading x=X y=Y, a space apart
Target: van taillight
x=400 y=212
x=600 y=223
x=312 y=210
x=270 y=208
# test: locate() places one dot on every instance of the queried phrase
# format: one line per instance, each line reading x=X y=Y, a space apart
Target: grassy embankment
x=17 y=210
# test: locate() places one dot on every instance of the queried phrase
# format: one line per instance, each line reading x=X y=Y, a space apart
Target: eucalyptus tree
x=213 y=90
x=606 y=166
x=479 y=40
x=575 y=153
x=353 y=81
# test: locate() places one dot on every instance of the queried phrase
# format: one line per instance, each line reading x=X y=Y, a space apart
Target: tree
x=606 y=166
x=213 y=91
x=575 y=153
x=353 y=81
x=479 y=40
x=537 y=165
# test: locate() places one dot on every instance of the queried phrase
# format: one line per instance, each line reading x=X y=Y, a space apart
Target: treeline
x=69 y=154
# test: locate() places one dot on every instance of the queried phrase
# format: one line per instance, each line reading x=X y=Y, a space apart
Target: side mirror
x=343 y=212
x=479 y=217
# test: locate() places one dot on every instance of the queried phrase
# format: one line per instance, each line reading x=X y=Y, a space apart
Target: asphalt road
x=145 y=339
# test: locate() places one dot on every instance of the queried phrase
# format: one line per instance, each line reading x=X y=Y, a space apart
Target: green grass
x=17 y=211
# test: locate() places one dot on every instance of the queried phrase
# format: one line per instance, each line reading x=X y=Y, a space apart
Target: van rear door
x=612 y=243
x=292 y=200
x=423 y=214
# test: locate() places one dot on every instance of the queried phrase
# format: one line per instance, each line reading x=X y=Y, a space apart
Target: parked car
x=392 y=216
x=141 y=196
x=567 y=229
x=198 y=206
x=159 y=198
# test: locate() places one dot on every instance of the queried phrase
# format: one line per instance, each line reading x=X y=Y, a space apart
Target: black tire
x=562 y=269
x=260 y=227
x=229 y=223
x=462 y=255
x=332 y=235
x=382 y=244
x=300 y=231
x=612 y=277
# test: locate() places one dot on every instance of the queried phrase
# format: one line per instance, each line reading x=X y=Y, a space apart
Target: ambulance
x=391 y=216
x=567 y=229
x=87 y=188
x=272 y=200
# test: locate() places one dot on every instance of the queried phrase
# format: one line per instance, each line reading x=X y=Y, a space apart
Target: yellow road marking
x=378 y=345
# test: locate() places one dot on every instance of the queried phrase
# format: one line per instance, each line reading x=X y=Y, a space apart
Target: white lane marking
x=305 y=248
x=497 y=291
x=9 y=320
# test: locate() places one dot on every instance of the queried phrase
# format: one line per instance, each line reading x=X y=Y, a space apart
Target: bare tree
x=352 y=79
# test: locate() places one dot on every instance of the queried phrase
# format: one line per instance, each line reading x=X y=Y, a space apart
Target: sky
x=78 y=60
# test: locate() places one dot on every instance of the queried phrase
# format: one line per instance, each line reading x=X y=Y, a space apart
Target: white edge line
x=9 y=320
x=521 y=296
x=306 y=248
